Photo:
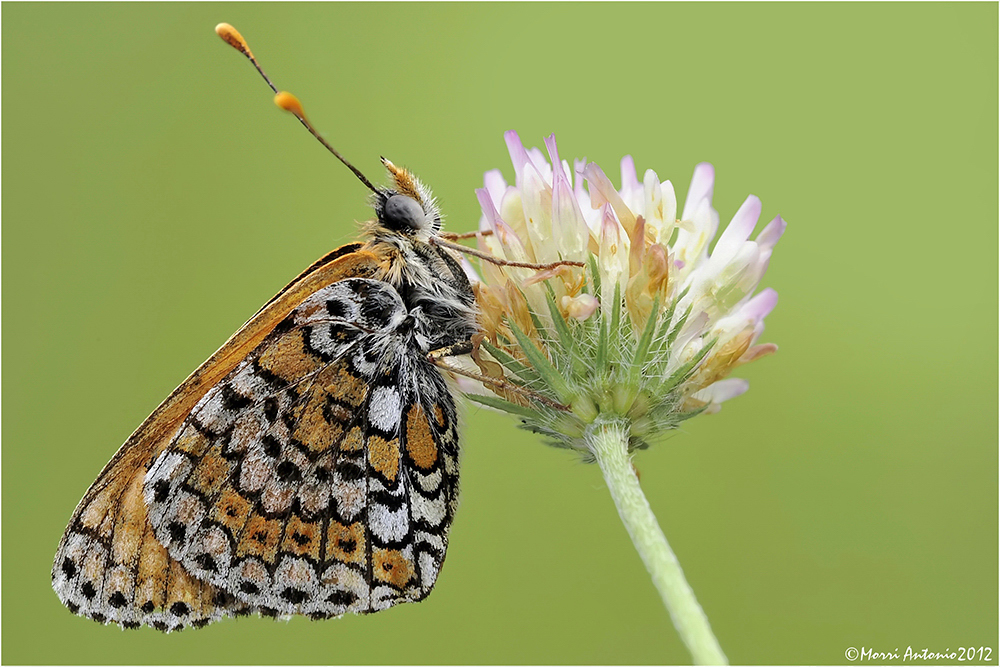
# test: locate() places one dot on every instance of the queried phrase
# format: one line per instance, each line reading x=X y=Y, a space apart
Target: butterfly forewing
x=111 y=568
x=320 y=476
x=109 y=565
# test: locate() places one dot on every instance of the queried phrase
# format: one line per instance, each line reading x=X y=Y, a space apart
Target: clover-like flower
x=608 y=357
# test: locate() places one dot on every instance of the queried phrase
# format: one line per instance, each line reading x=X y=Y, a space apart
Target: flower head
x=648 y=331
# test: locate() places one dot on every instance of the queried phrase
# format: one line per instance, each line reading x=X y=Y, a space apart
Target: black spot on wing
x=233 y=400
x=288 y=472
x=294 y=595
x=337 y=309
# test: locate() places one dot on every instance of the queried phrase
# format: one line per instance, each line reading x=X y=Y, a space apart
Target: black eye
x=402 y=211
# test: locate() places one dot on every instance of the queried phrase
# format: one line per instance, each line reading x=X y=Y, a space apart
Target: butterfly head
x=407 y=208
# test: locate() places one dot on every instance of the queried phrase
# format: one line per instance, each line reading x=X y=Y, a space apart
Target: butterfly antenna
x=283 y=99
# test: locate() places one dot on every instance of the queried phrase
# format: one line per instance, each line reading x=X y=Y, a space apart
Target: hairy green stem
x=608 y=440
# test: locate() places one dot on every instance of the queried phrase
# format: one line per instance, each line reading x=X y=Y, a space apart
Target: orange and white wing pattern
x=111 y=568
x=319 y=476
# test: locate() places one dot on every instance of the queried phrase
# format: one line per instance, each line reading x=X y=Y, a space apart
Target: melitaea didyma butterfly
x=310 y=465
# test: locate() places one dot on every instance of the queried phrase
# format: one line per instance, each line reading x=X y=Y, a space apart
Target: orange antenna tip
x=289 y=103
x=286 y=101
x=232 y=36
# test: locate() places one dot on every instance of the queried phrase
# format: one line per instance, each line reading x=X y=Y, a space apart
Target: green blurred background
x=153 y=198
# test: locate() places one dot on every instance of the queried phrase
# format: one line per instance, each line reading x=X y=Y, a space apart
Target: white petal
x=581 y=306
x=495 y=184
x=536 y=201
x=723 y=390
x=669 y=212
x=740 y=274
x=601 y=191
x=541 y=165
x=691 y=246
x=612 y=258
x=702 y=184
x=652 y=206
x=568 y=223
x=738 y=230
x=512 y=213
x=569 y=228
x=578 y=189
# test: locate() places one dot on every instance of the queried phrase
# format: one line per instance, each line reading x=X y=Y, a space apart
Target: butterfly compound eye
x=401 y=211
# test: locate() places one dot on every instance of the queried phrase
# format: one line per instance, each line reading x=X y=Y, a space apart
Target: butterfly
x=310 y=465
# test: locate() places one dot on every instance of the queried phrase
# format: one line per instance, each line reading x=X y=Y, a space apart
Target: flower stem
x=608 y=440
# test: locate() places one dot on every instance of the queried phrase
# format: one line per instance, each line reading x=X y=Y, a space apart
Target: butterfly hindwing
x=320 y=475
x=412 y=448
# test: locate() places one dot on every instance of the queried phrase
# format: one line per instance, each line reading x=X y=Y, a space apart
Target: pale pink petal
x=757 y=351
x=738 y=231
x=518 y=156
x=631 y=190
x=484 y=224
x=761 y=305
x=489 y=209
x=562 y=174
x=769 y=236
x=550 y=146
x=470 y=270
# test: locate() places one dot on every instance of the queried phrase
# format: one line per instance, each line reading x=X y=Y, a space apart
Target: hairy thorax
x=433 y=286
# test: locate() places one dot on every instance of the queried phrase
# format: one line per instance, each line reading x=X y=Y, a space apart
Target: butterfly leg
x=438 y=358
x=452 y=236
x=455 y=350
x=492 y=259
